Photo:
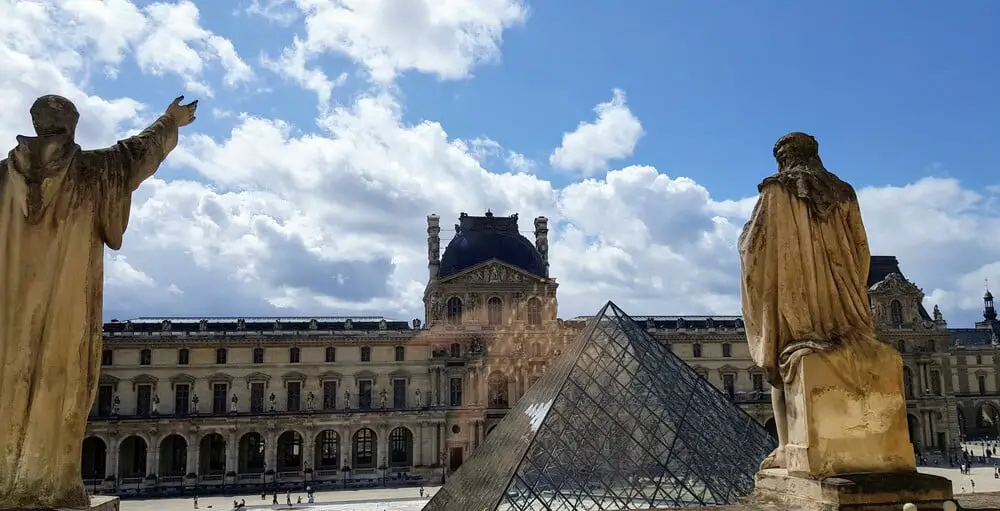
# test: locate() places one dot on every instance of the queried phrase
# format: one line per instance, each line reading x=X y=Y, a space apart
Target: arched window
x=696 y=349
x=497 y=390
x=364 y=449
x=400 y=447
x=895 y=313
x=328 y=450
x=534 y=311
x=454 y=310
x=494 y=311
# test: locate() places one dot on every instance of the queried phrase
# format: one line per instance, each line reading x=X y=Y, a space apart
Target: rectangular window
x=145 y=357
x=330 y=395
x=366 y=354
x=365 y=394
x=400 y=353
x=331 y=354
x=727 y=350
x=221 y=356
x=105 y=397
x=935 y=383
x=981 y=380
x=183 y=357
x=399 y=393
x=258 y=355
x=182 y=398
x=107 y=357
x=758 y=382
x=293 y=355
x=729 y=385
x=257 y=397
x=293 y=396
x=219 y=401
x=143 y=399
x=455 y=392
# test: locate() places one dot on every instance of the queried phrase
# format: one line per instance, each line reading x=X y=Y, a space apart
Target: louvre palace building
x=213 y=403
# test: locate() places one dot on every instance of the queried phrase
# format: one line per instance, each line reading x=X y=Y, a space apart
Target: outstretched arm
x=146 y=151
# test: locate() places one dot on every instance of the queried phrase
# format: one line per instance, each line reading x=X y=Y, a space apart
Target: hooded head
x=797 y=150
x=54 y=115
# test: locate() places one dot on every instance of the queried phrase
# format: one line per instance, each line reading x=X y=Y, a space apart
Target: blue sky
x=895 y=91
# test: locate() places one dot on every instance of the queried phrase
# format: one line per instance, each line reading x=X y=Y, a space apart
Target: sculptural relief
x=59 y=206
x=495 y=274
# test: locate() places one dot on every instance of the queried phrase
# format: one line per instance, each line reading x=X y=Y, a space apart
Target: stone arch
x=212 y=454
x=908 y=383
x=494 y=311
x=771 y=427
x=327 y=446
x=497 y=385
x=400 y=447
x=251 y=456
x=988 y=419
x=534 y=310
x=94 y=460
x=364 y=449
x=913 y=428
x=173 y=456
x=453 y=310
x=290 y=444
x=132 y=452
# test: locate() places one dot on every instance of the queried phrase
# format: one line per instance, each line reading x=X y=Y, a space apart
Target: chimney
x=433 y=245
x=542 y=238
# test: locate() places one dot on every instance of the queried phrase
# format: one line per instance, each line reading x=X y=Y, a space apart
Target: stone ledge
x=97 y=503
x=854 y=492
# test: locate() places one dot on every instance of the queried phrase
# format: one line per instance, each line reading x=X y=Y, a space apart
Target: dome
x=481 y=238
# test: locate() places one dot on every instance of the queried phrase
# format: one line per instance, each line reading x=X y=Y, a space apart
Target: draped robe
x=59 y=206
x=804 y=260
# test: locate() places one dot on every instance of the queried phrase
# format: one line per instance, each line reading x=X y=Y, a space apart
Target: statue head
x=54 y=115
x=797 y=150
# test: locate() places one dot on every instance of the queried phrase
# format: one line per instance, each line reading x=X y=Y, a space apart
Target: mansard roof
x=253 y=324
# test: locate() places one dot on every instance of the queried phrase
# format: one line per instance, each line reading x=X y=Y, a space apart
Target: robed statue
x=59 y=206
x=804 y=259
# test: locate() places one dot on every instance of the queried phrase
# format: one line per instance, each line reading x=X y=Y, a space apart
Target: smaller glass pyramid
x=618 y=422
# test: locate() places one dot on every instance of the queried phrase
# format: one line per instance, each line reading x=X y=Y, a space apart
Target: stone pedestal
x=851 y=492
x=97 y=503
x=847 y=414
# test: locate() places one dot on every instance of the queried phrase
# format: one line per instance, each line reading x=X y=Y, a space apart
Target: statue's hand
x=182 y=115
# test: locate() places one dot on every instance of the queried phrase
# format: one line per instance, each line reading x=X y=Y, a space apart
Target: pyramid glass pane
x=618 y=422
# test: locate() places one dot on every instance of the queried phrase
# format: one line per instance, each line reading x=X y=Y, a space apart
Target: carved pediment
x=258 y=376
x=895 y=285
x=143 y=379
x=183 y=379
x=364 y=375
x=726 y=369
x=330 y=376
x=492 y=272
x=400 y=374
x=107 y=379
x=293 y=376
x=220 y=378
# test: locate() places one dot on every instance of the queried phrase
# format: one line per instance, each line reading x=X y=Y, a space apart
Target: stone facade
x=217 y=402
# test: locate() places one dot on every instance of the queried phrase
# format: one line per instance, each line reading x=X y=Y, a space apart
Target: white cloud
x=444 y=38
x=329 y=218
x=612 y=136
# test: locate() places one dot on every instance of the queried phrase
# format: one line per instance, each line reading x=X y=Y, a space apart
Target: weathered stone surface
x=59 y=206
x=840 y=428
x=97 y=503
x=851 y=492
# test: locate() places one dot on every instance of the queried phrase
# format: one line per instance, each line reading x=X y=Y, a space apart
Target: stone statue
x=59 y=206
x=381 y=396
x=347 y=400
x=194 y=403
x=804 y=260
x=418 y=398
x=310 y=399
x=272 y=399
x=156 y=404
x=233 y=404
x=116 y=404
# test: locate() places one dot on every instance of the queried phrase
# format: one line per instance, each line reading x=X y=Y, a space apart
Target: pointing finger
x=178 y=100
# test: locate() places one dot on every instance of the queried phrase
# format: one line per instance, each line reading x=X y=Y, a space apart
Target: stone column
x=346 y=447
x=271 y=451
x=152 y=456
x=233 y=452
x=420 y=443
x=191 y=467
x=111 y=467
x=309 y=448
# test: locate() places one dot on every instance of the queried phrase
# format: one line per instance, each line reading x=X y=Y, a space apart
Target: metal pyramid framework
x=618 y=422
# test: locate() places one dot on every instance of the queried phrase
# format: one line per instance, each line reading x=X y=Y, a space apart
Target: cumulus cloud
x=274 y=218
x=593 y=145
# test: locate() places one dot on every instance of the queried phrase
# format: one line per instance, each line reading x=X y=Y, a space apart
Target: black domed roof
x=481 y=238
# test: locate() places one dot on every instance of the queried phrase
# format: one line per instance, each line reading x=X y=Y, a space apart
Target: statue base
x=97 y=503
x=852 y=425
x=851 y=492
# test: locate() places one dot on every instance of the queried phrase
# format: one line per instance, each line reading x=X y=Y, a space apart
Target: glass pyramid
x=617 y=422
